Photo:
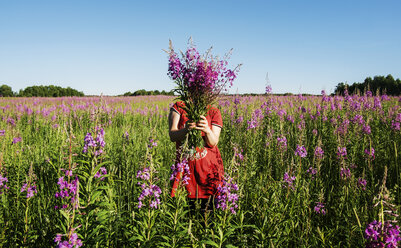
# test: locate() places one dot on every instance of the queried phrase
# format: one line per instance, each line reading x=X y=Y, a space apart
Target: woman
x=206 y=166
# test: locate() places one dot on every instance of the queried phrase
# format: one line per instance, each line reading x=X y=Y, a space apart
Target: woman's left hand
x=203 y=125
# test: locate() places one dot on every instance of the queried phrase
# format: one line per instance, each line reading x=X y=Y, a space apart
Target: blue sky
x=112 y=47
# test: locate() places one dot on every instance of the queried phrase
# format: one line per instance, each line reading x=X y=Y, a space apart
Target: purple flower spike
x=301 y=151
x=288 y=181
x=3 y=186
x=319 y=208
x=226 y=198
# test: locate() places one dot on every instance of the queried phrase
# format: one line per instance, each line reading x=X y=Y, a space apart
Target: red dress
x=206 y=171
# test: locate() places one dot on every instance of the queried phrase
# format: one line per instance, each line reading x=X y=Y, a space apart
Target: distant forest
x=40 y=91
x=149 y=93
x=379 y=85
x=57 y=91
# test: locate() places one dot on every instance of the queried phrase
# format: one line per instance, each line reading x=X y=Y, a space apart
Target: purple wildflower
x=96 y=143
x=226 y=198
x=312 y=172
x=301 y=151
x=68 y=192
x=345 y=173
x=239 y=120
x=3 y=186
x=238 y=154
x=143 y=174
x=150 y=192
x=378 y=234
x=72 y=242
x=319 y=208
x=319 y=153
x=183 y=169
x=152 y=143
x=2 y=132
x=314 y=131
x=30 y=189
x=370 y=153
x=101 y=173
x=342 y=152
x=268 y=89
x=362 y=183
x=288 y=181
x=16 y=140
x=395 y=125
x=282 y=143
x=366 y=129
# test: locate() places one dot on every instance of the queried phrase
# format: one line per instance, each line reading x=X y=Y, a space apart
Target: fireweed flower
x=366 y=129
x=282 y=143
x=150 y=192
x=102 y=172
x=362 y=183
x=301 y=125
x=72 y=242
x=268 y=89
x=378 y=234
x=143 y=174
x=183 y=168
x=319 y=153
x=95 y=143
x=301 y=151
x=30 y=189
x=252 y=123
x=370 y=153
x=16 y=140
x=312 y=172
x=152 y=143
x=11 y=121
x=237 y=101
x=257 y=115
x=290 y=118
x=288 y=181
x=3 y=186
x=345 y=173
x=226 y=198
x=238 y=154
x=239 y=120
x=314 y=131
x=68 y=192
x=395 y=125
x=342 y=152
x=319 y=208
x=325 y=97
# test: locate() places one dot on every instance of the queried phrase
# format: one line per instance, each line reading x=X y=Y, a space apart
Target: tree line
x=379 y=85
x=143 y=92
x=40 y=91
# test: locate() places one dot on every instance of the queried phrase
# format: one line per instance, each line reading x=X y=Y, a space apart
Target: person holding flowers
x=195 y=124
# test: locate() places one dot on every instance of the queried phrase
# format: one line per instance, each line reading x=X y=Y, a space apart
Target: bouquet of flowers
x=200 y=79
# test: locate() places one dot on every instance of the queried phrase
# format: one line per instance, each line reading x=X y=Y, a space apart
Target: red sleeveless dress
x=206 y=170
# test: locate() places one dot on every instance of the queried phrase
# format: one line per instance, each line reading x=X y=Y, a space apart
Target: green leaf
x=210 y=242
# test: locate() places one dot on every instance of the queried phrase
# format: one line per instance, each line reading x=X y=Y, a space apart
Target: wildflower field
x=301 y=171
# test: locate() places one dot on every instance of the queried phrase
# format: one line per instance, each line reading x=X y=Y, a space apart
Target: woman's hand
x=190 y=125
x=203 y=125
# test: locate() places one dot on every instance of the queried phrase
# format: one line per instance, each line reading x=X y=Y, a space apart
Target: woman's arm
x=175 y=133
x=212 y=135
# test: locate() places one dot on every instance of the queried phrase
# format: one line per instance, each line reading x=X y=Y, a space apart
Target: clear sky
x=112 y=47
